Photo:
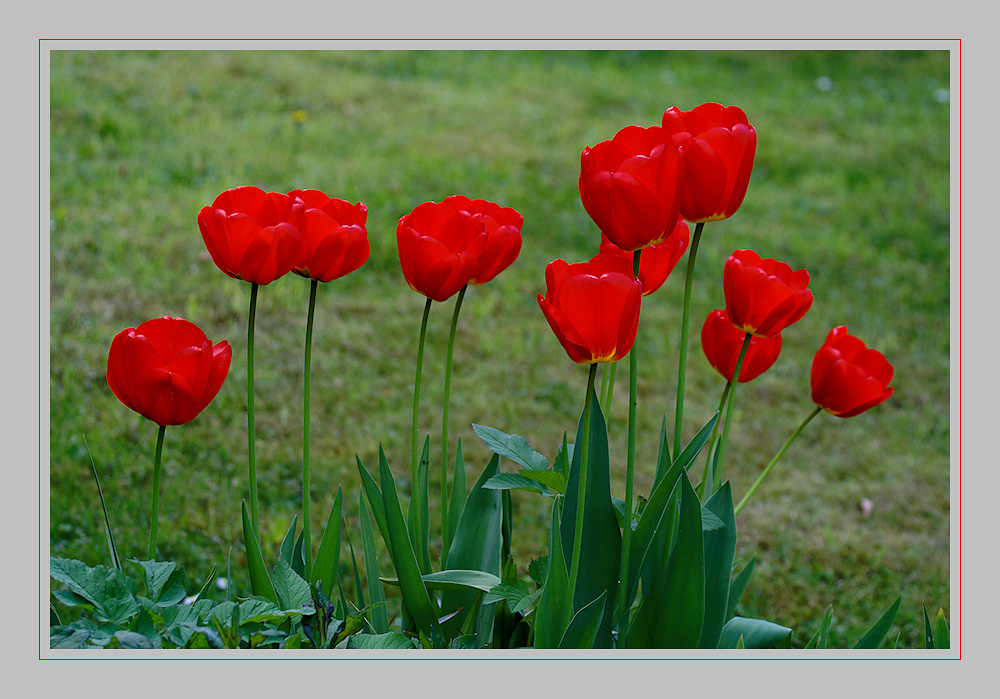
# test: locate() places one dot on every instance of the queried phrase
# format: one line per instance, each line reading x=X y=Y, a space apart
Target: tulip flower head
x=722 y=342
x=847 y=378
x=764 y=296
x=503 y=234
x=439 y=248
x=657 y=260
x=630 y=186
x=719 y=145
x=593 y=307
x=166 y=369
x=335 y=241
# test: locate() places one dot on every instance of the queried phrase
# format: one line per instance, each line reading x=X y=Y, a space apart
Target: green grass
x=851 y=182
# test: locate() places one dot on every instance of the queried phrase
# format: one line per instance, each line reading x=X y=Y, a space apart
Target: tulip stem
x=416 y=388
x=445 y=543
x=581 y=492
x=685 y=326
x=251 y=429
x=154 y=518
x=633 y=384
x=721 y=450
x=767 y=469
x=306 y=393
x=708 y=475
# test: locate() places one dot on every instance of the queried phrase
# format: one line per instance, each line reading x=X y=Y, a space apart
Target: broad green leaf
x=874 y=636
x=374 y=496
x=379 y=616
x=601 y=545
x=720 y=548
x=942 y=636
x=513 y=592
x=693 y=448
x=663 y=458
x=508 y=481
x=538 y=569
x=257 y=609
x=455 y=580
x=820 y=639
x=709 y=522
x=739 y=586
x=654 y=534
x=288 y=542
x=327 y=560
x=164 y=581
x=553 y=480
x=418 y=603
x=418 y=518
x=554 y=607
x=756 y=634
x=928 y=630
x=457 y=503
x=511 y=446
x=67 y=637
x=260 y=581
x=671 y=614
x=133 y=640
x=584 y=629
x=384 y=641
x=110 y=591
x=293 y=592
x=71 y=599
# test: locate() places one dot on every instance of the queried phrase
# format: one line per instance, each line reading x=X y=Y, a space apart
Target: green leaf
x=378 y=617
x=709 y=522
x=109 y=534
x=133 y=640
x=554 y=607
x=260 y=582
x=68 y=637
x=874 y=636
x=654 y=534
x=164 y=581
x=693 y=448
x=553 y=480
x=415 y=598
x=455 y=580
x=600 y=562
x=511 y=446
x=110 y=591
x=538 y=569
x=720 y=548
x=672 y=613
x=509 y=481
x=457 y=504
x=293 y=592
x=374 y=496
x=583 y=631
x=418 y=518
x=384 y=641
x=288 y=542
x=739 y=586
x=327 y=560
x=821 y=638
x=942 y=636
x=663 y=458
x=756 y=634
x=513 y=592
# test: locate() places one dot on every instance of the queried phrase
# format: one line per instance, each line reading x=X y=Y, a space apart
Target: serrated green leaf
x=756 y=634
x=327 y=561
x=821 y=638
x=293 y=591
x=514 y=481
x=383 y=641
x=511 y=592
x=164 y=581
x=552 y=480
x=874 y=636
x=720 y=548
x=110 y=591
x=538 y=569
x=511 y=446
x=260 y=581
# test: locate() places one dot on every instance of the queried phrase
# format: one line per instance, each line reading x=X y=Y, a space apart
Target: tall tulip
x=764 y=296
x=166 y=370
x=847 y=378
x=719 y=145
x=722 y=342
x=629 y=186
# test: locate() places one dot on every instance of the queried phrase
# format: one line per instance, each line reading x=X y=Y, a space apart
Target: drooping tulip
x=847 y=378
x=764 y=296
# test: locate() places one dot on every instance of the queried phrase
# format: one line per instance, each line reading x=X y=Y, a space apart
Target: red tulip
x=657 y=260
x=848 y=378
x=592 y=307
x=764 y=296
x=630 y=186
x=722 y=342
x=166 y=369
x=252 y=234
x=334 y=235
x=503 y=234
x=439 y=248
x=719 y=145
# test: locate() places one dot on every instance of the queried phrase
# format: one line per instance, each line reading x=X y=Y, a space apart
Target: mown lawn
x=851 y=181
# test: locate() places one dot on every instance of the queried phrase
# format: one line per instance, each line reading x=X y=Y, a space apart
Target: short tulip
x=847 y=378
x=630 y=186
x=657 y=261
x=503 y=234
x=253 y=235
x=764 y=296
x=439 y=248
x=334 y=236
x=593 y=307
x=166 y=369
x=719 y=145
x=722 y=343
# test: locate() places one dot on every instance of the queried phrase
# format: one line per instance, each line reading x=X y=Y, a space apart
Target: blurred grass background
x=851 y=181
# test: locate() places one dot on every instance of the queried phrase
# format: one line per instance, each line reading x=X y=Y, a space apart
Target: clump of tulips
x=625 y=573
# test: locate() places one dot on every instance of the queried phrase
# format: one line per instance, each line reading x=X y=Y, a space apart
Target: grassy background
x=851 y=181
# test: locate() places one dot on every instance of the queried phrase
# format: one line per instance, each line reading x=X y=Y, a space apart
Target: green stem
x=306 y=393
x=633 y=383
x=581 y=494
x=685 y=325
x=251 y=429
x=445 y=543
x=156 y=492
x=416 y=387
x=767 y=469
x=716 y=477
